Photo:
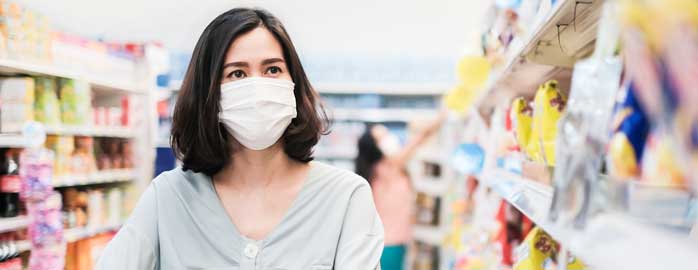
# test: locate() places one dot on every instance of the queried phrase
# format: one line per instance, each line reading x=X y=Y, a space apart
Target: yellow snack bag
x=548 y=106
x=459 y=98
x=521 y=116
x=538 y=252
x=473 y=71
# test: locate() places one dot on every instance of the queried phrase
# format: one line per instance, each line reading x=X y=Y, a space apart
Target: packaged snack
x=631 y=128
x=468 y=158
x=63 y=147
x=660 y=166
x=83 y=159
x=46 y=227
x=512 y=227
x=17 y=97
x=36 y=173
x=75 y=102
x=459 y=98
x=47 y=258
x=46 y=107
x=521 y=116
x=473 y=71
x=548 y=106
x=539 y=252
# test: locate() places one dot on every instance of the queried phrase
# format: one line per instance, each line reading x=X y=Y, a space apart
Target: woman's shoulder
x=178 y=183
x=335 y=178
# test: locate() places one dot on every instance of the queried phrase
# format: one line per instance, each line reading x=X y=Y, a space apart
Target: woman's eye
x=238 y=74
x=273 y=70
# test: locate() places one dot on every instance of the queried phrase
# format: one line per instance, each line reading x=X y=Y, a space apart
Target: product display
x=87 y=95
x=17 y=96
x=75 y=97
x=570 y=141
x=10 y=184
x=428 y=210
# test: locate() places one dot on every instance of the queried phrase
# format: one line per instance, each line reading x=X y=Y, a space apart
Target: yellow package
x=548 y=106
x=459 y=99
x=63 y=147
x=538 y=252
x=521 y=118
x=660 y=166
x=622 y=157
x=473 y=71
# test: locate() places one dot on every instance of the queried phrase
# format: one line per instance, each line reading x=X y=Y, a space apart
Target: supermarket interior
x=537 y=134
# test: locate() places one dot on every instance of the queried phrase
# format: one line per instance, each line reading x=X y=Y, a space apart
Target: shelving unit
x=381 y=88
x=381 y=115
x=134 y=80
x=99 y=177
x=114 y=132
x=609 y=241
x=430 y=235
x=15 y=67
x=75 y=234
x=23 y=246
x=555 y=43
x=12 y=140
x=13 y=223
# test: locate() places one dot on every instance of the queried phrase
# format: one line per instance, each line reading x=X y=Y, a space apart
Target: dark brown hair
x=198 y=139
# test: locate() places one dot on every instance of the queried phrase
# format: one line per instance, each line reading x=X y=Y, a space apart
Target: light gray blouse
x=179 y=223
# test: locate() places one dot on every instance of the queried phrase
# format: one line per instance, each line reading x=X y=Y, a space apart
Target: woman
x=383 y=162
x=247 y=195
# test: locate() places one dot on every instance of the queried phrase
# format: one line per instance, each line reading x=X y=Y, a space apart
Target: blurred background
x=570 y=140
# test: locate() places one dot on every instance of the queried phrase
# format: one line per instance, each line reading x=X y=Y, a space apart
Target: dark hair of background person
x=198 y=139
x=369 y=154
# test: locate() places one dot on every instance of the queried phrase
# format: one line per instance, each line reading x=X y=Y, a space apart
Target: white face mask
x=257 y=111
x=389 y=144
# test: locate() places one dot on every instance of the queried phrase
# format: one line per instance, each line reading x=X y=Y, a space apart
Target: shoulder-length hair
x=198 y=139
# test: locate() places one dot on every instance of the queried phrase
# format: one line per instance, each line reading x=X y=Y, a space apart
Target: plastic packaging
x=46 y=228
x=75 y=102
x=630 y=130
x=46 y=106
x=539 y=251
x=548 y=106
x=36 y=172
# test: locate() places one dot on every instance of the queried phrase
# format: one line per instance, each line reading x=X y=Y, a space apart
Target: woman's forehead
x=256 y=45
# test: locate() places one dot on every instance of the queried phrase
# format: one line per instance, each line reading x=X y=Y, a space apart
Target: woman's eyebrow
x=272 y=60
x=236 y=64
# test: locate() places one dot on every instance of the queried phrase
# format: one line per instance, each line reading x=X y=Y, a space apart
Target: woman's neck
x=254 y=168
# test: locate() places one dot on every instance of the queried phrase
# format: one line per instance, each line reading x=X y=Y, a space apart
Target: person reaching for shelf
x=383 y=162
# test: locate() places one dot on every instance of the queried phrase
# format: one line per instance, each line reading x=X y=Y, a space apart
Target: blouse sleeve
x=135 y=246
x=361 y=240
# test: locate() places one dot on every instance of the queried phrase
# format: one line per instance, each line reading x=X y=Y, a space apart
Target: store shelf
x=429 y=234
x=115 y=132
x=12 y=141
x=99 y=177
x=431 y=186
x=566 y=34
x=610 y=240
x=13 y=67
x=381 y=115
x=75 y=234
x=13 y=223
x=23 y=246
x=382 y=88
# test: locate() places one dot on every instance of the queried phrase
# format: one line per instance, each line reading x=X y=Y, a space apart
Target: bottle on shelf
x=9 y=184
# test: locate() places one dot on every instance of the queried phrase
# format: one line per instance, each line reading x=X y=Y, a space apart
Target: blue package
x=468 y=158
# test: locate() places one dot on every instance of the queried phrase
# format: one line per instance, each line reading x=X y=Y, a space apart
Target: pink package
x=35 y=171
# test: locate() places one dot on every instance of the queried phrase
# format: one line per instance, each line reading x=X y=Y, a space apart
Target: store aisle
x=461 y=135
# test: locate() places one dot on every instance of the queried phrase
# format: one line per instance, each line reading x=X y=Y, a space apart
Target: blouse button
x=251 y=250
